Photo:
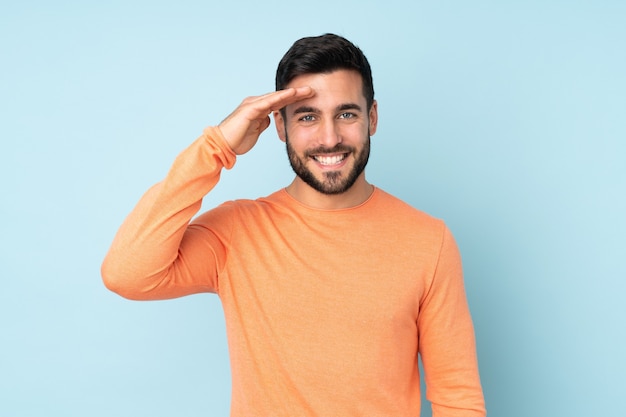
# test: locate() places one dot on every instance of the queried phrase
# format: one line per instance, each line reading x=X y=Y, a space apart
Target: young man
x=330 y=286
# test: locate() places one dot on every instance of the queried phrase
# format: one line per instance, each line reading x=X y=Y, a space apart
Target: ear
x=279 y=122
x=373 y=118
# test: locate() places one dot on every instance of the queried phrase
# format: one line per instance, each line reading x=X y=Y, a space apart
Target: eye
x=307 y=118
x=347 y=115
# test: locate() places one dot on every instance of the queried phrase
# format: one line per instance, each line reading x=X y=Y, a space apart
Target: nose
x=329 y=134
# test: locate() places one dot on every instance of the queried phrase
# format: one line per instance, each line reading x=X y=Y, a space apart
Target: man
x=330 y=286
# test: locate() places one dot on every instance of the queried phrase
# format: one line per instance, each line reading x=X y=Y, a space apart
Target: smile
x=328 y=160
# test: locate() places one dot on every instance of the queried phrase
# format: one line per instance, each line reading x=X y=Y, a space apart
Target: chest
x=343 y=278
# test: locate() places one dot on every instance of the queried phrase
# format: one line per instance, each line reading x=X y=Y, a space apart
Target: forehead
x=340 y=85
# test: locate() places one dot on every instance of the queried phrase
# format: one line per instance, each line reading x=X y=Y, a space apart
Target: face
x=328 y=135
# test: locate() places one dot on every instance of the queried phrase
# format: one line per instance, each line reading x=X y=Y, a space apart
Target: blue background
x=505 y=118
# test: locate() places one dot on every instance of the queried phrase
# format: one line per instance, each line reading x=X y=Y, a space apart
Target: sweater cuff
x=214 y=135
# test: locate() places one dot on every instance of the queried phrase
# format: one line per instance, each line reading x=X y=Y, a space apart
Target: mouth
x=330 y=160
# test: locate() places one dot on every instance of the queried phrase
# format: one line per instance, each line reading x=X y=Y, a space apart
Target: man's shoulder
x=392 y=205
x=238 y=211
x=247 y=205
x=405 y=224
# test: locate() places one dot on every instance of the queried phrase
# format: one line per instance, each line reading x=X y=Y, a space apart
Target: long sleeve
x=155 y=254
x=447 y=343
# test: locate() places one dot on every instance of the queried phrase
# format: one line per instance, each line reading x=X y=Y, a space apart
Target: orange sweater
x=325 y=310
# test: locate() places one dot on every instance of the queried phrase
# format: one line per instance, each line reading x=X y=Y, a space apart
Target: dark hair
x=324 y=54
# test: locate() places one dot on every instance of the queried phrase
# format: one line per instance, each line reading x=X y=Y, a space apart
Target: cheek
x=357 y=132
x=301 y=136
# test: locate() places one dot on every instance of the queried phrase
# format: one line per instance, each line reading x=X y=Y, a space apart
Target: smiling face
x=328 y=135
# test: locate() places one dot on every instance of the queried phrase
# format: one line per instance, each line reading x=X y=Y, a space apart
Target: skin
x=322 y=111
x=244 y=125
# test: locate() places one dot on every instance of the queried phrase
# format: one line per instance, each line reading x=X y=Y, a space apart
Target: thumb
x=264 y=124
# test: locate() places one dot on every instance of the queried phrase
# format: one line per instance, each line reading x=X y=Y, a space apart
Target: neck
x=360 y=191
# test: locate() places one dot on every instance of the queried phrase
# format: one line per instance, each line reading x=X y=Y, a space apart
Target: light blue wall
x=505 y=118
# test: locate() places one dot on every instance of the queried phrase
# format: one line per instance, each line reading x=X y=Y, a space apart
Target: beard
x=332 y=182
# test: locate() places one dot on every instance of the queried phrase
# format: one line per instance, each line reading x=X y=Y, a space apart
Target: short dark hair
x=324 y=54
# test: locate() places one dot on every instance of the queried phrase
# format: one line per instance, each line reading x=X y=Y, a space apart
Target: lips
x=328 y=160
x=330 y=157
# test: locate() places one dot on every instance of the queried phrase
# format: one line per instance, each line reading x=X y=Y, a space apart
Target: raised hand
x=244 y=125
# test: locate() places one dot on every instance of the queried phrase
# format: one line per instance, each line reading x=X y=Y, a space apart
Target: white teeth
x=329 y=160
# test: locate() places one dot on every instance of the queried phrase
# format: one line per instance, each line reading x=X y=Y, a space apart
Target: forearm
x=454 y=388
x=145 y=250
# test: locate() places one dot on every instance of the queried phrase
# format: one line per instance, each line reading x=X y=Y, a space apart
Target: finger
x=265 y=123
x=300 y=93
x=279 y=99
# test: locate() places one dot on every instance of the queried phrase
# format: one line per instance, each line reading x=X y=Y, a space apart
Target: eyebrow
x=349 y=106
x=305 y=109
x=341 y=107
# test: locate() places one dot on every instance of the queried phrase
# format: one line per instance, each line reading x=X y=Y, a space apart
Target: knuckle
x=248 y=100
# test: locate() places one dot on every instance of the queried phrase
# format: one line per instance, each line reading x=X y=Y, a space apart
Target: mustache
x=321 y=150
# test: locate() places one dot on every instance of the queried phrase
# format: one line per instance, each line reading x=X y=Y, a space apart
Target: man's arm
x=155 y=253
x=446 y=340
x=144 y=260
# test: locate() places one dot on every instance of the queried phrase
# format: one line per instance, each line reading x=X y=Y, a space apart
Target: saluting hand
x=242 y=127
